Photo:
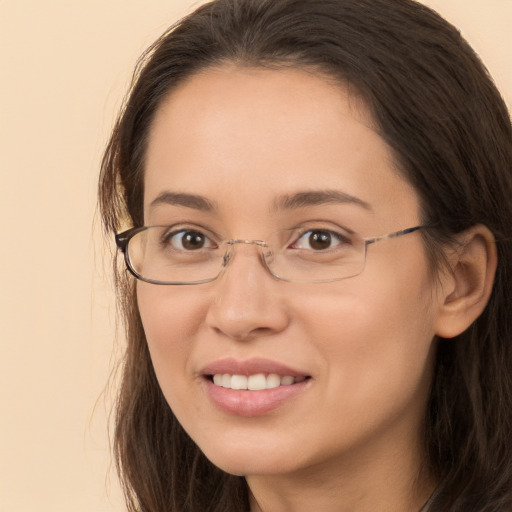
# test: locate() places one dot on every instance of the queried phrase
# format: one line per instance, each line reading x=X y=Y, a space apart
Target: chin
x=250 y=458
x=238 y=467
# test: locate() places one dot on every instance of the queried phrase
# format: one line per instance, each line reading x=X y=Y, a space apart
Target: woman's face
x=238 y=152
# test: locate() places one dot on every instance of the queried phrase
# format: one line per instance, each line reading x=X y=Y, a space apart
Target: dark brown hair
x=438 y=109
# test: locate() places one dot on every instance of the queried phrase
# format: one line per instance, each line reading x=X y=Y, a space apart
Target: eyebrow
x=284 y=202
x=314 y=198
x=194 y=201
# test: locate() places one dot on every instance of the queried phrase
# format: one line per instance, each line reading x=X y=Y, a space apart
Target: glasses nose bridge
x=230 y=244
x=260 y=243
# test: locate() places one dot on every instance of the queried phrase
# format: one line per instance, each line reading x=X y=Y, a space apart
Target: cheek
x=376 y=344
x=163 y=318
x=171 y=317
x=369 y=332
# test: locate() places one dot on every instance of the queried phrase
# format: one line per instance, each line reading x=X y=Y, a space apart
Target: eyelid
x=180 y=234
x=168 y=237
x=341 y=237
x=295 y=231
x=323 y=225
x=338 y=239
x=191 y=226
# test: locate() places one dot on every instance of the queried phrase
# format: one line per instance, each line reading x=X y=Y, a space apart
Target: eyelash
x=167 y=238
x=326 y=234
x=339 y=237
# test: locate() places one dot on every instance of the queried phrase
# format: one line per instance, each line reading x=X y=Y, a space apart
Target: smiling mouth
x=256 y=382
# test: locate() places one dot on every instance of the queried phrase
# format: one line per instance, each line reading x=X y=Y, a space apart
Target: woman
x=318 y=196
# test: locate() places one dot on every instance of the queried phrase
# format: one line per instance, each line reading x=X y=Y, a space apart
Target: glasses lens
x=317 y=255
x=166 y=255
x=163 y=254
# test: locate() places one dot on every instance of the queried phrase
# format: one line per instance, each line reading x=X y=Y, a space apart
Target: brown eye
x=320 y=240
x=189 y=240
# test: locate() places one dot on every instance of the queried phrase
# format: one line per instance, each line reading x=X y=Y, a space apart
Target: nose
x=248 y=302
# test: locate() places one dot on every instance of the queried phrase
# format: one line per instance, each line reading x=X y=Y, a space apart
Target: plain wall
x=64 y=68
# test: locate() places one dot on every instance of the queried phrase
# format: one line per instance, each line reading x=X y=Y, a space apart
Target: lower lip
x=252 y=403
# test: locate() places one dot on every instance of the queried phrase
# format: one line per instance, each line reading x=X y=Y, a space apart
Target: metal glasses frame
x=122 y=240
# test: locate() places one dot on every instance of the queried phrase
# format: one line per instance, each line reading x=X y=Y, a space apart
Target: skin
x=351 y=440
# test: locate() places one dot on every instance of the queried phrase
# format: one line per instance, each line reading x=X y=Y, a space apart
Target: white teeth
x=286 y=381
x=273 y=381
x=255 y=382
x=239 y=382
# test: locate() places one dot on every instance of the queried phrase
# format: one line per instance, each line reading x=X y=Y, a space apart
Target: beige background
x=64 y=66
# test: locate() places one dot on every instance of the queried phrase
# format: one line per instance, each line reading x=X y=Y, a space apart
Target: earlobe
x=467 y=285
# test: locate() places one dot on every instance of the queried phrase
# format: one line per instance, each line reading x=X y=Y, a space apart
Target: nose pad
x=261 y=246
x=226 y=259
x=267 y=258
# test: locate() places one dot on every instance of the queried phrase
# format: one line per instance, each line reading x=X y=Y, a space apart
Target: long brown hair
x=437 y=108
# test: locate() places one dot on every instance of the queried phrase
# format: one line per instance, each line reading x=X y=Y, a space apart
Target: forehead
x=244 y=136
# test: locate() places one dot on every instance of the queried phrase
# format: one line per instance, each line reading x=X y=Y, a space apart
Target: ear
x=467 y=285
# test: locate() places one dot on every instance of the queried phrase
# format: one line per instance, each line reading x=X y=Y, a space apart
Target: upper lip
x=250 y=367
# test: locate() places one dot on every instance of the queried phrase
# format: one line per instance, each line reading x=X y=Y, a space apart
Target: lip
x=251 y=367
x=252 y=403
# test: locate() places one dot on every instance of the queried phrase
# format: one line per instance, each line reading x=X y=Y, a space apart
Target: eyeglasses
x=180 y=255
